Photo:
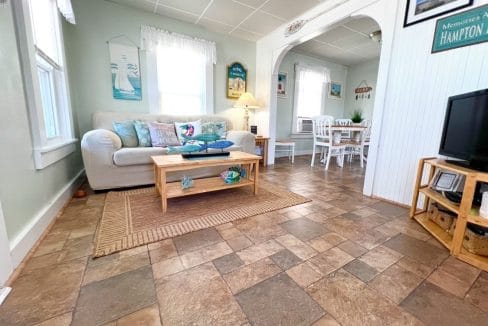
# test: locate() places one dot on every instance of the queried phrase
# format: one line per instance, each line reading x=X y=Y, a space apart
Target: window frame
x=46 y=150
x=295 y=118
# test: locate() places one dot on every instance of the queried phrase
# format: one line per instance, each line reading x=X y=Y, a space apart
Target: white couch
x=109 y=165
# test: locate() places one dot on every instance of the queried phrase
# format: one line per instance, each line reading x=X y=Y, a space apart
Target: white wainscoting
x=419 y=85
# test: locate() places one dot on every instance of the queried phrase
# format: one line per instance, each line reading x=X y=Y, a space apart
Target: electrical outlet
x=4 y=291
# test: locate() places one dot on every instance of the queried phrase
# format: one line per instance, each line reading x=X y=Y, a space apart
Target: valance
x=152 y=38
x=66 y=10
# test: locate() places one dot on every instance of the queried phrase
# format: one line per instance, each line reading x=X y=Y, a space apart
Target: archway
x=274 y=47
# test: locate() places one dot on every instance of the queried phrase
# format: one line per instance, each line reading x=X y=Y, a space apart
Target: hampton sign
x=463 y=29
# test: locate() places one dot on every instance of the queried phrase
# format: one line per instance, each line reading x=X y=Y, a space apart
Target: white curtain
x=180 y=72
x=310 y=90
x=152 y=38
x=66 y=10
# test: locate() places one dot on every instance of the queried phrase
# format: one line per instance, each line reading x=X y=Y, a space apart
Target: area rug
x=133 y=218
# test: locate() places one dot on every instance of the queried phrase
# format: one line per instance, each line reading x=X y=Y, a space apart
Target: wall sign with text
x=463 y=29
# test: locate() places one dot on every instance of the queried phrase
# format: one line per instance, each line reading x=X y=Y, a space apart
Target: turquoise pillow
x=143 y=135
x=127 y=133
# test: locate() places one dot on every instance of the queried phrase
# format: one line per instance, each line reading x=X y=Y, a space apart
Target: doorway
x=347 y=55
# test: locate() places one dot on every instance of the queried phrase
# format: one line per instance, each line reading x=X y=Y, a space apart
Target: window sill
x=48 y=155
x=301 y=136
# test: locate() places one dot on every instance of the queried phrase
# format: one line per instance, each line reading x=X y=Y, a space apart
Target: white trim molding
x=23 y=242
x=6 y=266
x=48 y=155
x=4 y=291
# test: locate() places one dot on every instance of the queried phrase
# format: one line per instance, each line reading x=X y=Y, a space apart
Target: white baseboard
x=4 y=291
x=23 y=242
x=297 y=153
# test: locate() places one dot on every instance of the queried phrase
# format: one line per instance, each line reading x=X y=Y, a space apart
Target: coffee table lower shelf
x=203 y=185
x=175 y=163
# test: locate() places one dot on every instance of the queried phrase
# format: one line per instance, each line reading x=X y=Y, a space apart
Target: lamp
x=246 y=101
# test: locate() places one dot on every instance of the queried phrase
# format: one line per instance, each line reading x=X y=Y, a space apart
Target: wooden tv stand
x=463 y=211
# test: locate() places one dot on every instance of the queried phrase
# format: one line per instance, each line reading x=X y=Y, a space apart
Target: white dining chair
x=322 y=137
x=344 y=122
x=358 y=147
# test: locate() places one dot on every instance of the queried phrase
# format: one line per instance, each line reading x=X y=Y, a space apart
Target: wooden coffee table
x=170 y=163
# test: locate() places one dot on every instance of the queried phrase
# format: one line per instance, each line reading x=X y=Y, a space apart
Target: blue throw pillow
x=127 y=133
x=143 y=135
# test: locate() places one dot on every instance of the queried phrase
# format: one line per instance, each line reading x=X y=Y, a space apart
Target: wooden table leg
x=156 y=178
x=162 y=180
x=256 y=177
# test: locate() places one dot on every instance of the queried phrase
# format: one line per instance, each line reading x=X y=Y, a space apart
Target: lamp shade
x=247 y=101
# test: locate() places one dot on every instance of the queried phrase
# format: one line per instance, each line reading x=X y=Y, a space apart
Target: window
x=182 y=81
x=42 y=56
x=310 y=85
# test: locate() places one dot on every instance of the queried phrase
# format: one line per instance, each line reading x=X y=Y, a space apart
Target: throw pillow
x=127 y=133
x=218 y=127
x=142 y=131
x=188 y=129
x=163 y=134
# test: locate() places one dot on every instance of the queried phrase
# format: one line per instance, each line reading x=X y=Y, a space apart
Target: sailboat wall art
x=126 y=73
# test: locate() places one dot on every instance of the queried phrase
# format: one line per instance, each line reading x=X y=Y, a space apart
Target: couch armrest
x=243 y=138
x=98 y=147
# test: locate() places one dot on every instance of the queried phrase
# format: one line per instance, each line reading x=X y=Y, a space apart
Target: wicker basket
x=475 y=243
x=453 y=227
x=441 y=218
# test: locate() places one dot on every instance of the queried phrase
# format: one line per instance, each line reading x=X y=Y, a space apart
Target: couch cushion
x=218 y=128
x=189 y=129
x=163 y=134
x=127 y=133
x=142 y=155
x=142 y=131
x=104 y=119
x=138 y=155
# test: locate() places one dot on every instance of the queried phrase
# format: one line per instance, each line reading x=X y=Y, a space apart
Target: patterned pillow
x=218 y=127
x=127 y=133
x=163 y=134
x=188 y=129
x=142 y=131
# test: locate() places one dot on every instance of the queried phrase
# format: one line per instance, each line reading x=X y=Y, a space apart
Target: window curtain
x=310 y=90
x=153 y=37
x=66 y=10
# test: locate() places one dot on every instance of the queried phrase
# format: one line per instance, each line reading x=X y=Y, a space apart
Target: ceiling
x=245 y=19
x=347 y=44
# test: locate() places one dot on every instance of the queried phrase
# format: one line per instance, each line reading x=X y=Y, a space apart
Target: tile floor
x=343 y=259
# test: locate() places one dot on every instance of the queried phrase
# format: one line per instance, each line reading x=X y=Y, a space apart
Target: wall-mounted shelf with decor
x=465 y=214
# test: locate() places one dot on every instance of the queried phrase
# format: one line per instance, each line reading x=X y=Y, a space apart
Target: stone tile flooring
x=342 y=259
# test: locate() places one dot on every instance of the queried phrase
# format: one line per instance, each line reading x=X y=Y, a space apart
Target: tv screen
x=465 y=134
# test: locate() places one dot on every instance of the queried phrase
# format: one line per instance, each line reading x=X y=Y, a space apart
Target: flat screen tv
x=465 y=134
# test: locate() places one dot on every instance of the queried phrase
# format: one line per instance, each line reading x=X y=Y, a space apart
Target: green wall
x=24 y=191
x=88 y=58
x=364 y=71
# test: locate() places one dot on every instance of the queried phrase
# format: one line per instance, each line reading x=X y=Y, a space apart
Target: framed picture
x=236 y=80
x=335 y=90
x=421 y=10
x=126 y=74
x=282 y=84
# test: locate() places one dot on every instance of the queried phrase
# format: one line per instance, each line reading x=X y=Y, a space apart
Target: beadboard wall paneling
x=419 y=84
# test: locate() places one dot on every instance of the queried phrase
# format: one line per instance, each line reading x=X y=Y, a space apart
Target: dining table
x=355 y=131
